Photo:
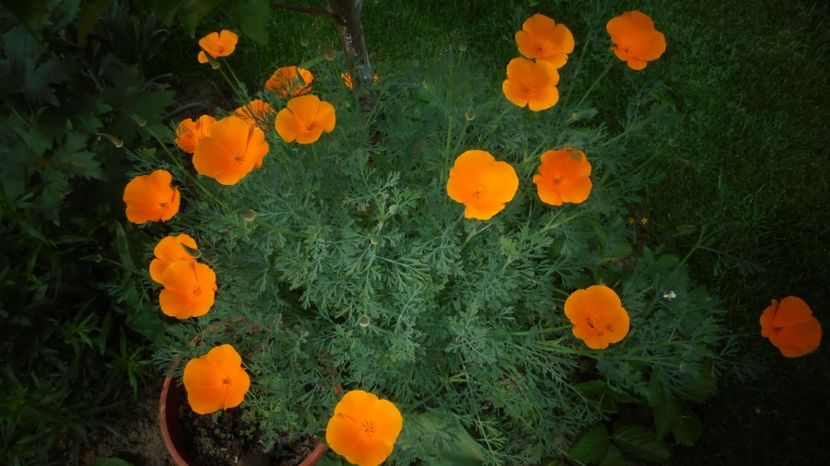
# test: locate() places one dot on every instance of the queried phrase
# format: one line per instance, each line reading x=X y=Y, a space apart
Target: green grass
x=748 y=162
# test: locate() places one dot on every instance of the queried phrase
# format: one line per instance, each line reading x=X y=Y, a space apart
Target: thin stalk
x=596 y=81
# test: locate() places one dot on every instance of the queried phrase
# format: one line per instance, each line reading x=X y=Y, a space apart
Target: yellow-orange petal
x=287 y=125
x=387 y=420
x=151 y=198
x=218 y=44
x=343 y=437
x=233 y=149
x=546 y=98
x=189 y=290
x=168 y=250
x=203 y=383
x=541 y=38
x=514 y=92
x=216 y=380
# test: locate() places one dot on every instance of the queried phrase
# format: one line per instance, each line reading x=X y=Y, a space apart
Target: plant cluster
x=345 y=261
x=71 y=353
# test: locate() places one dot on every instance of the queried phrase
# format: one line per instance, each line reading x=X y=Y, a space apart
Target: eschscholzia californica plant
x=233 y=149
x=255 y=112
x=216 y=381
x=541 y=38
x=304 y=119
x=483 y=184
x=636 y=42
x=217 y=44
x=168 y=250
x=189 y=132
x=290 y=81
x=531 y=84
x=189 y=289
x=151 y=198
x=563 y=176
x=364 y=428
x=597 y=315
x=791 y=327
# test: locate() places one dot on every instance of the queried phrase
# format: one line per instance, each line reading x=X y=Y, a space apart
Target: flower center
x=310 y=125
x=368 y=427
x=595 y=324
x=197 y=291
x=226 y=380
x=239 y=159
x=479 y=192
x=557 y=179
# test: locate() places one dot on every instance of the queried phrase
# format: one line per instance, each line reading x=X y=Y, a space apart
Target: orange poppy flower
x=541 y=38
x=217 y=44
x=216 y=380
x=597 y=316
x=189 y=289
x=791 y=327
x=255 y=111
x=483 y=184
x=189 y=132
x=170 y=249
x=563 y=177
x=150 y=198
x=636 y=42
x=531 y=84
x=304 y=119
x=233 y=149
x=364 y=428
x=290 y=81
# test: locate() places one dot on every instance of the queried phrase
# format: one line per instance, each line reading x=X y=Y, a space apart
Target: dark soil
x=136 y=436
x=230 y=438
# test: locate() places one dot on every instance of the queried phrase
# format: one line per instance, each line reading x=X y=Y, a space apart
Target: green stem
x=578 y=69
x=596 y=81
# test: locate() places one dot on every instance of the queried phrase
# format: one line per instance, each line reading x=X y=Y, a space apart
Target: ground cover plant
x=348 y=264
x=73 y=355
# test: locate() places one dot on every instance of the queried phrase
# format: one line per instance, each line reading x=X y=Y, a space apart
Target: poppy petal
x=343 y=435
x=287 y=125
x=792 y=310
x=514 y=92
x=544 y=99
x=387 y=420
x=798 y=340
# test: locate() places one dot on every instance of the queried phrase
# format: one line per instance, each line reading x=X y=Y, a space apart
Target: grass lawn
x=747 y=164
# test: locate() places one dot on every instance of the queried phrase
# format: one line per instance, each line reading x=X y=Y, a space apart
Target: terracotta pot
x=171 y=428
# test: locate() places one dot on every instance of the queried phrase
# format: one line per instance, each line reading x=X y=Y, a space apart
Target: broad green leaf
x=123 y=246
x=443 y=437
x=666 y=417
x=606 y=396
x=253 y=18
x=75 y=161
x=592 y=446
x=697 y=383
x=192 y=12
x=613 y=457
x=665 y=409
x=688 y=427
x=641 y=442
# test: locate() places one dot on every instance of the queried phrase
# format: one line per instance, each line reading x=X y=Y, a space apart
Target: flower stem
x=596 y=81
